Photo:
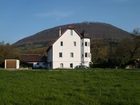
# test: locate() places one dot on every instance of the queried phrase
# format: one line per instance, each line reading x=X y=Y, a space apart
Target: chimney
x=71 y=27
x=60 y=32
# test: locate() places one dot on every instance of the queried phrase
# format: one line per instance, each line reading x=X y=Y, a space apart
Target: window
x=86 y=55
x=86 y=43
x=72 y=54
x=71 y=65
x=71 y=32
x=61 y=43
x=61 y=65
x=60 y=54
x=74 y=43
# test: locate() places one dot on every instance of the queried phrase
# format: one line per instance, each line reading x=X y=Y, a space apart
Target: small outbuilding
x=12 y=64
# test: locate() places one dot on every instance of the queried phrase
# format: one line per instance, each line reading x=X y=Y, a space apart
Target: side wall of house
x=67 y=50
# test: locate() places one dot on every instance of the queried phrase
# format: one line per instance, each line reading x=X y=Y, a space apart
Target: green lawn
x=89 y=87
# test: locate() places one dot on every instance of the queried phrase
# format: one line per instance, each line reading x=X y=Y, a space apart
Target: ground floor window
x=71 y=65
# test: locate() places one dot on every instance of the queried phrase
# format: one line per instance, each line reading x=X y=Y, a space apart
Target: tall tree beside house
x=128 y=50
x=99 y=50
x=108 y=53
x=103 y=53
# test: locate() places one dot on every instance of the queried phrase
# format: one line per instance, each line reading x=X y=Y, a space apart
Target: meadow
x=70 y=87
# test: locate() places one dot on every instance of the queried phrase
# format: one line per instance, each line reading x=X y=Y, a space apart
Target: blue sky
x=22 y=18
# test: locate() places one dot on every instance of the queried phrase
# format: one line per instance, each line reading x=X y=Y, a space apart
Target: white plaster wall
x=66 y=49
x=86 y=49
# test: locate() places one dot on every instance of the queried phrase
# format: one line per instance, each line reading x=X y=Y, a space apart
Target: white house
x=69 y=50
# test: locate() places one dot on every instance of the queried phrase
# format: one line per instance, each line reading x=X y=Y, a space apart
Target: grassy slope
x=70 y=87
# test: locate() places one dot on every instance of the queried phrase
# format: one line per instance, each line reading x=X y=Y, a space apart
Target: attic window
x=74 y=43
x=61 y=43
x=71 y=32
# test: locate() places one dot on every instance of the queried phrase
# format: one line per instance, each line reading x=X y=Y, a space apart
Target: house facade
x=69 y=51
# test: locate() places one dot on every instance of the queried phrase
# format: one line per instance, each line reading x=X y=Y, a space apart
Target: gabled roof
x=63 y=31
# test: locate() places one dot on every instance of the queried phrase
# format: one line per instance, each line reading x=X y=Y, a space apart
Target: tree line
x=105 y=53
x=108 y=53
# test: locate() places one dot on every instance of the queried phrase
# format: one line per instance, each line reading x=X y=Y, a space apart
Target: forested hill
x=93 y=30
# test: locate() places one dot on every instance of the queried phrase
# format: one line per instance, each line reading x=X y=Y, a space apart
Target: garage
x=12 y=64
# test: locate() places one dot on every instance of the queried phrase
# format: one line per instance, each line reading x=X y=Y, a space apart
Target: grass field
x=90 y=87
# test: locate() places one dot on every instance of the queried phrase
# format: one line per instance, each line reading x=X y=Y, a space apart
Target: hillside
x=93 y=30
